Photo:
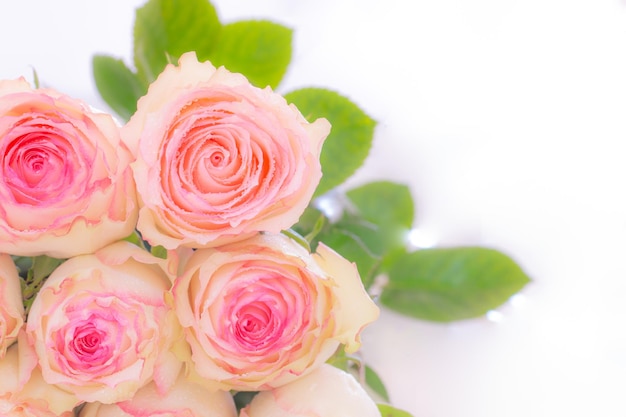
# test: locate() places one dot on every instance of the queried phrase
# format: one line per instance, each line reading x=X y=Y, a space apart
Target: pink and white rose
x=24 y=393
x=325 y=392
x=101 y=328
x=65 y=182
x=184 y=399
x=11 y=305
x=217 y=159
x=262 y=312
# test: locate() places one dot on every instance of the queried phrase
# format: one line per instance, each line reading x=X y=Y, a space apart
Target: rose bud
x=11 y=304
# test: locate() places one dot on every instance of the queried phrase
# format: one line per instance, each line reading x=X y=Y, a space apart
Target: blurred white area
x=508 y=120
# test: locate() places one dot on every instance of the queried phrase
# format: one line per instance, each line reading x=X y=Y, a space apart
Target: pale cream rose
x=217 y=159
x=11 y=304
x=184 y=399
x=325 y=392
x=24 y=393
x=65 y=181
x=262 y=312
x=101 y=327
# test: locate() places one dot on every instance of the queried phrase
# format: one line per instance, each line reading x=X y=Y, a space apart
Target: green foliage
x=348 y=237
x=257 y=48
x=450 y=284
x=384 y=202
x=298 y=238
x=135 y=239
x=159 y=251
x=388 y=209
x=119 y=87
x=23 y=264
x=388 y=411
x=364 y=374
x=243 y=398
x=375 y=383
x=350 y=139
x=36 y=82
x=166 y=29
x=374 y=225
x=39 y=270
x=169 y=28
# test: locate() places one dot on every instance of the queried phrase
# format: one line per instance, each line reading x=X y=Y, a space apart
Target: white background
x=507 y=119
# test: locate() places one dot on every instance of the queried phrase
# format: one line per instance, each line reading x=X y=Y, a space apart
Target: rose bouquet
x=200 y=254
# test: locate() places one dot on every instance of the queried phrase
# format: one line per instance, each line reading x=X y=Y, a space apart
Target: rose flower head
x=217 y=159
x=65 y=181
x=11 y=305
x=101 y=327
x=24 y=393
x=261 y=312
x=184 y=399
x=325 y=392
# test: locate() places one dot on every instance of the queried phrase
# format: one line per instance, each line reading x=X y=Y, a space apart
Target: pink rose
x=217 y=159
x=184 y=399
x=101 y=328
x=23 y=392
x=65 y=182
x=11 y=305
x=261 y=312
x=325 y=392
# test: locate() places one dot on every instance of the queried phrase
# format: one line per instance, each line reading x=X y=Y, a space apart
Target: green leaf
x=375 y=383
x=243 y=398
x=347 y=239
x=36 y=82
x=23 y=264
x=351 y=136
x=259 y=49
x=169 y=28
x=159 y=251
x=388 y=209
x=308 y=220
x=318 y=226
x=118 y=85
x=135 y=239
x=388 y=411
x=384 y=202
x=41 y=267
x=297 y=238
x=373 y=226
x=364 y=374
x=342 y=360
x=447 y=284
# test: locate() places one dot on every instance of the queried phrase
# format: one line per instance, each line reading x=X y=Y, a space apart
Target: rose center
x=254 y=325
x=88 y=345
x=251 y=325
x=34 y=167
x=217 y=158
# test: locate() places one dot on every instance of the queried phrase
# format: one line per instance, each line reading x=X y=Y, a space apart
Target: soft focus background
x=508 y=120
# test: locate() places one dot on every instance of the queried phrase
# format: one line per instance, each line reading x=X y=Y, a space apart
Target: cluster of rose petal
x=211 y=169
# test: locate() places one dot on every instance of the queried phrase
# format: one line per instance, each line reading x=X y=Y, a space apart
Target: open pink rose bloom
x=65 y=182
x=263 y=312
x=211 y=169
x=218 y=160
x=100 y=326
